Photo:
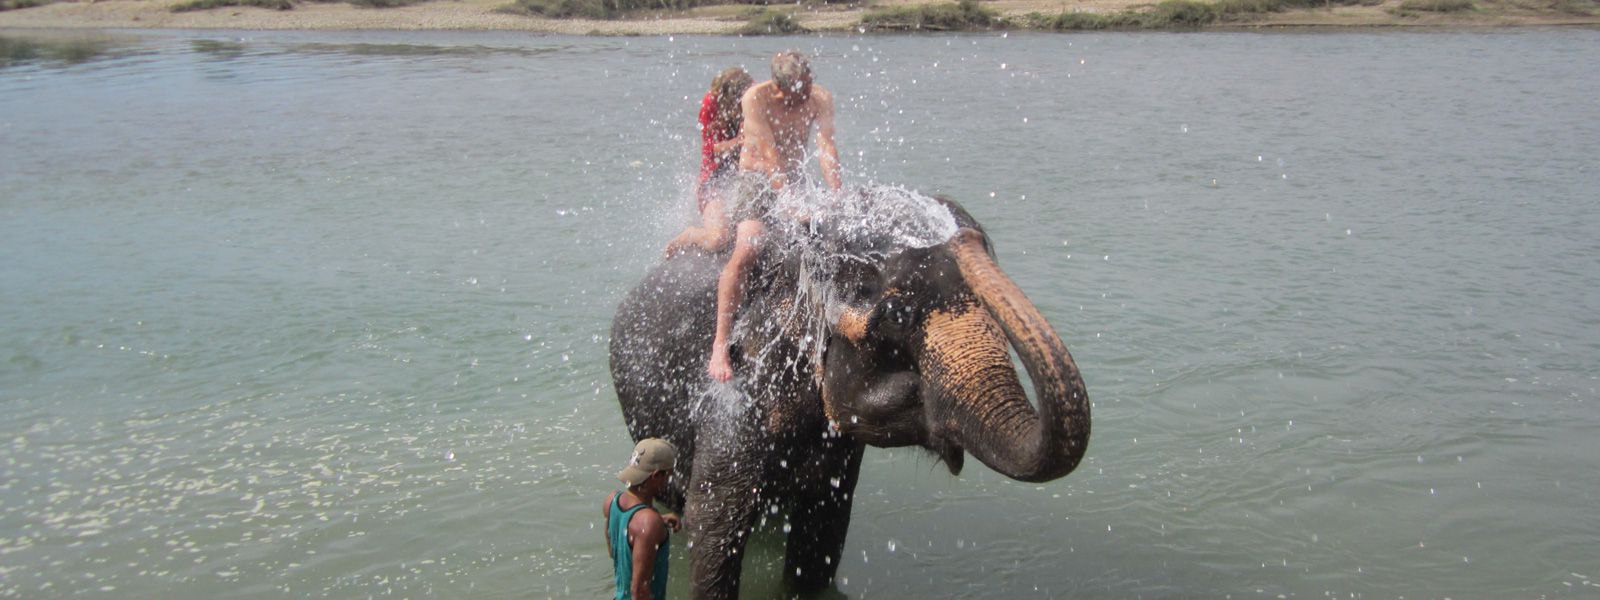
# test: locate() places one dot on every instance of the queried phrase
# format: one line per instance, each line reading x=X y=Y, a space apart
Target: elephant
x=907 y=347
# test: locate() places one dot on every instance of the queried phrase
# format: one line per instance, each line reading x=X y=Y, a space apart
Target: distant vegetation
x=972 y=15
x=1442 y=6
x=383 y=3
x=771 y=22
x=561 y=9
x=16 y=4
x=1180 y=14
x=596 y=9
x=966 y=15
x=193 y=5
x=1577 y=8
x=778 y=17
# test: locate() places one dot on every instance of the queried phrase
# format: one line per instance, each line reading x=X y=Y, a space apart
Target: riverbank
x=730 y=19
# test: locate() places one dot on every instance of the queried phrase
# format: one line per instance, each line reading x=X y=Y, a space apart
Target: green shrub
x=1182 y=13
x=771 y=22
x=963 y=15
x=1579 y=8
x=16 y=4
x=384 y=3
x=594 y=9
x=193 y=5
x=1248 y=7
x=1170 y=14
x=1441 y=6
x=562 y=9
x=1082 y=21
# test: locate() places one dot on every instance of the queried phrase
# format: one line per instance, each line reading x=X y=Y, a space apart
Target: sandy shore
x=483 y=15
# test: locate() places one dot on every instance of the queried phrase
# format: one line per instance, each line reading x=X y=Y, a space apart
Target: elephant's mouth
x=953 y=456
x=889 y=413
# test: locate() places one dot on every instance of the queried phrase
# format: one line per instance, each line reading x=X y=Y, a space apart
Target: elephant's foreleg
x=720 y=512
x=819 y=520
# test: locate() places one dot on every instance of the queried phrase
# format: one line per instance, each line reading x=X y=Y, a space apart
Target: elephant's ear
x=964 y=219
x=820 y=375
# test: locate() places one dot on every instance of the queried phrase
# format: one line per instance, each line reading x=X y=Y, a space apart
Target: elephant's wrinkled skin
x=916 y=354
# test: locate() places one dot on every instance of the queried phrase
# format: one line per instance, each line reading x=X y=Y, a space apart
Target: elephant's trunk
x=989 y=409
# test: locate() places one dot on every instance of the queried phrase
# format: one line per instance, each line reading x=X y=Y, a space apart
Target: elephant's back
x=660 y=341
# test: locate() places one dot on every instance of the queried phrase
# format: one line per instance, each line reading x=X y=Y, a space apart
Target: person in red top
x=720 y=139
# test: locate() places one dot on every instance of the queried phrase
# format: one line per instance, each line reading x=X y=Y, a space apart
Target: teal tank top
x=622 y=553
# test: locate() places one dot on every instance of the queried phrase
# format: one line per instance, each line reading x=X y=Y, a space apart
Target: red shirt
x=710 y=136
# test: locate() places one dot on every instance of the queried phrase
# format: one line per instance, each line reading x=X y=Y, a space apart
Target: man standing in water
x=778 y=117
x=635 y=533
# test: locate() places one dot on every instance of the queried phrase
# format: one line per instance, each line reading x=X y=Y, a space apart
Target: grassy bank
x=194 y=5
x=17 y=4
x=966 y=15
x=755 y=17
x=973 y=15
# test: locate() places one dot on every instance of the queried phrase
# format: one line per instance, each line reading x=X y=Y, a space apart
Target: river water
x=325 y=314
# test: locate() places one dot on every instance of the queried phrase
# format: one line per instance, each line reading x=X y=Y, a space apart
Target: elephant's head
x=919 y=355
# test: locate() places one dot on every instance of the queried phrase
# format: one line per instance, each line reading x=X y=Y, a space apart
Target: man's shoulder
x=755 y=92
x=821 y=96
x=647 y=522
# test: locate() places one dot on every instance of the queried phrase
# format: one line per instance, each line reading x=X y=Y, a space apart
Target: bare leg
x=709 y=236
x=730 y=293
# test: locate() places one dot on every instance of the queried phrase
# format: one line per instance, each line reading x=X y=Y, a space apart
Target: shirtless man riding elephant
x=778 y=117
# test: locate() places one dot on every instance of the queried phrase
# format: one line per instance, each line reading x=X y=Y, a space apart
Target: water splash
x=821 y=234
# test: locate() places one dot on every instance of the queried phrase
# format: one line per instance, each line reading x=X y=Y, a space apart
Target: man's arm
x=648 y=532
x=605 y=514
x=827 y=153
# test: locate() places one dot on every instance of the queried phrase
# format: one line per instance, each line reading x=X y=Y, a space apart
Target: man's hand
x=673 y=521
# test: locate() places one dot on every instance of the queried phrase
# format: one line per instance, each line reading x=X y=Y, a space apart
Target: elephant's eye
x=896 y=312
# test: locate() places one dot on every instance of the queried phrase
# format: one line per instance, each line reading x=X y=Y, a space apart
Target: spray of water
x=820 y=232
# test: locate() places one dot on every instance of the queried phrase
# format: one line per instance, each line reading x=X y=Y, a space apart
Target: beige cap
x=651 y=455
